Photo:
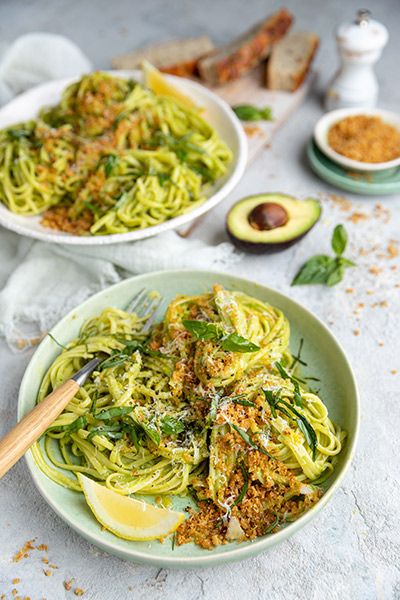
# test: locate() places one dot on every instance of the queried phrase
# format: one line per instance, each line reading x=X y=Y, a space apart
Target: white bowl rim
x=239 y=552
x=187 y=85
x=330 y=118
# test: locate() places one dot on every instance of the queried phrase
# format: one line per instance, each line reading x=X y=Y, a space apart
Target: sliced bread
x=290 y=60
x=236 y=58
x=178 y=57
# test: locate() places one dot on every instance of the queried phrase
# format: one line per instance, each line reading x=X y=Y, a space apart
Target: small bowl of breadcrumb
x=360 y=139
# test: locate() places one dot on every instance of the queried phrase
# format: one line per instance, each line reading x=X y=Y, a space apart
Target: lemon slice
x=159 y=84
x=128 y=518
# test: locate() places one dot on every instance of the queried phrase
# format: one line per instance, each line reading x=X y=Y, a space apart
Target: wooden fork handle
x=17 y=441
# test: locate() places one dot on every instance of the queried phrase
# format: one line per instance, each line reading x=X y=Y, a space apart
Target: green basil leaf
x=113 y=432
x=339 y=240
x=79 y=423
x=17 y=134
x=171 y=425
x=133 y=435
x=111 y=413
x=236 y=343
x=346 y=262
x=152 y=432
x=336 y=275
x=202 y=330
x=315 y=270
x=248 y=112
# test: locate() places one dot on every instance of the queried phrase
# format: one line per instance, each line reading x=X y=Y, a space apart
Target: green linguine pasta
x=178 y=411
x=111 y=157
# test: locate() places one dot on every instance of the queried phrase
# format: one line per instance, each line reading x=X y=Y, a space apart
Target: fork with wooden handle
x=17 y=441
x=25 y=433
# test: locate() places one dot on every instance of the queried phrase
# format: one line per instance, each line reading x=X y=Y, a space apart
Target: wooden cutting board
x=249 y=90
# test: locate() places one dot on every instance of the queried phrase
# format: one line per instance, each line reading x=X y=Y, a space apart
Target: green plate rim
x=343 y=181
x=238 y=551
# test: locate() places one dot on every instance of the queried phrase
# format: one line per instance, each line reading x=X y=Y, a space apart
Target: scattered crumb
x=68 y=584
x=43 y=547
x=380 y=343
x=381 y=212
x=78 y=591
x=48 y=572
x=16 y=580
x=374 y=270
x=381 y=304
x=394 y=371
x=52 y=566
x=356 y=332
x=251 y=131
x=356 y=217
x=14 y=592
x=392 y=249
x=45 y=561
x=370 y=292
x=24 y=552
x=349 y=290
x=341 y=201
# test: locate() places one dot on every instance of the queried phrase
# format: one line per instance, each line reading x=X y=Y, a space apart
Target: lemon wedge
x=159 y=84
x=128 y=518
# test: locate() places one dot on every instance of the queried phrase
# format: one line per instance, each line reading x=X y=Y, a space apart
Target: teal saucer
x=372 y=184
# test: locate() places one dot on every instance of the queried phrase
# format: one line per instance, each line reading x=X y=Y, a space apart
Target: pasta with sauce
x=209 y=403
x=111 y=157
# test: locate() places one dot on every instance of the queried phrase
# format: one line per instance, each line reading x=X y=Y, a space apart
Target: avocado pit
x=267 y=216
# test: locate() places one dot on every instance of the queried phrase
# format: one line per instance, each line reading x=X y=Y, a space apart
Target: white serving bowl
x=215 y=111
x=324 y=124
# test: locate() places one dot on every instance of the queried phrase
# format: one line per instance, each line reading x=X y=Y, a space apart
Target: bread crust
x=243 y=54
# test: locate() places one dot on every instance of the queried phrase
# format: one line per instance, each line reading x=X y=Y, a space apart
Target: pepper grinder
x=360 y=45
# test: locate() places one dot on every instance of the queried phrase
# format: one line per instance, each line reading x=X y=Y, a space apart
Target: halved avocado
x=271 y=222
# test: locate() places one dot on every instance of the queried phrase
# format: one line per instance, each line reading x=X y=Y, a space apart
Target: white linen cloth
x=52 y=279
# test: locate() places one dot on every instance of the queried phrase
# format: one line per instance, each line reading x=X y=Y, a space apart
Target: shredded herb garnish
x=57 y=342
x=297 y=357
x=79 y=423
x=277 y=403
x=271 y=527
x=245 y=487
x=294 y=380
x=245 y=436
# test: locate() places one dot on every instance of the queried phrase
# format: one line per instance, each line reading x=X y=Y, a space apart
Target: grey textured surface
x=352 y=549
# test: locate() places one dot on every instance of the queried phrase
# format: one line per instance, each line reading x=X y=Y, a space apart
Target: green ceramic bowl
x=322 y=352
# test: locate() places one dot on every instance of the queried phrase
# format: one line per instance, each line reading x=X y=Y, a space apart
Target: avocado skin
x=263 y=247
